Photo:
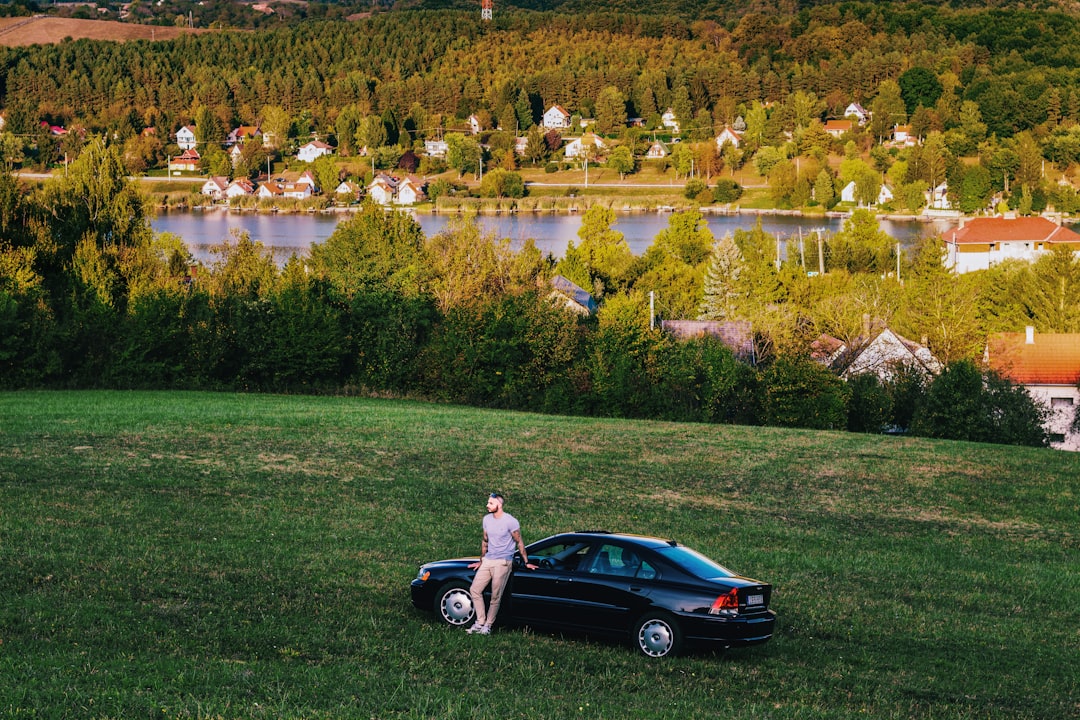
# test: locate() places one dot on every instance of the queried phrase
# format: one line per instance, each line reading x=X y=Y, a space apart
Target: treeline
x=91 y=297
x=438 y=66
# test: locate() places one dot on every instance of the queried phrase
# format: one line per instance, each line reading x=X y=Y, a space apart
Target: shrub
x=870 y=404
x=694 y=187
x=798 y=392
x=727 y=191
x=551 y=167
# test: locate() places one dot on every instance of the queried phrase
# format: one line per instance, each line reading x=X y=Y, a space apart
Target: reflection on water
x=287 y=234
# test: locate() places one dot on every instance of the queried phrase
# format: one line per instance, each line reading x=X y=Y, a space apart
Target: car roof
x=641 y=540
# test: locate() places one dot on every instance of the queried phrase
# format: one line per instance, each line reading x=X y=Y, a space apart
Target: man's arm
x=521 y=546
x=483 y=551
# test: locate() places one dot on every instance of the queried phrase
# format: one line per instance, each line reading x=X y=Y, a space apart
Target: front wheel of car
x=454 y=605
x=657 y=635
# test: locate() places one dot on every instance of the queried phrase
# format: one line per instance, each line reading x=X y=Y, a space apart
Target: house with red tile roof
x=727 y=135
x=187 y=161
x=1048 y=366
x=981 y=242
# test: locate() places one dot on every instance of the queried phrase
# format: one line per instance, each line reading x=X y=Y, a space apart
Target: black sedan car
x=660 y=595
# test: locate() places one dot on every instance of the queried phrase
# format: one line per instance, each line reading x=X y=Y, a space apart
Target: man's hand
x=530 y=566
x=474 y=565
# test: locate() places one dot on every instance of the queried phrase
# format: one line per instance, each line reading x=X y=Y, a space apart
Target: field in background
x=201 y=555
x=18 y=31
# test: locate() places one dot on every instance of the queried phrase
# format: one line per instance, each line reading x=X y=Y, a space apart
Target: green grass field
x=183 y=555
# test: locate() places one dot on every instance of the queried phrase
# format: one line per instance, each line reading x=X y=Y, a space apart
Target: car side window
x=564 y=557
x=622 y=562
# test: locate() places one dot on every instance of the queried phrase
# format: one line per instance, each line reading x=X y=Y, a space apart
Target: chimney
x=1030 y=339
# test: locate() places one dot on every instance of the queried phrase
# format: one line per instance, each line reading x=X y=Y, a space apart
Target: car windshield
x=695 y=563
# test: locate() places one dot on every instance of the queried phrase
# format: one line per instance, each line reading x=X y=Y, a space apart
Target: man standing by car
x=502 y=533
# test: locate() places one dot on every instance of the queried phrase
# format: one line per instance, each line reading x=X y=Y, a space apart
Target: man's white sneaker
x=478 y=628
x=484 y=630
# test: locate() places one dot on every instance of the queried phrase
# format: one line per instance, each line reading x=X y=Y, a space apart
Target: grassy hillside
x=195 y=555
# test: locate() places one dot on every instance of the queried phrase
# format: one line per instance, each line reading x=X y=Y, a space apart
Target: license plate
x=755 y=599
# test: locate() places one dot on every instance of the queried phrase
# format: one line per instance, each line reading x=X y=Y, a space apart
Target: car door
x=614 y=587
x=549 y=595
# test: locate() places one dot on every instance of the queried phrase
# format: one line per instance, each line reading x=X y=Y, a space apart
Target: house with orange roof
x=556 y=117
x=1048 y=366
x=187 y=161
x=727 y=135
x=836 y=128
x=980 y=243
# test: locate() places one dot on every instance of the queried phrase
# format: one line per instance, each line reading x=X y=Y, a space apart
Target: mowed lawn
x=191 y=555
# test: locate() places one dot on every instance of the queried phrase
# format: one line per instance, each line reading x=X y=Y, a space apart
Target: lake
x=288 y=234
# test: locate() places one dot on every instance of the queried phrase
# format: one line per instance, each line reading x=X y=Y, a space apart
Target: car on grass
x=659 y=594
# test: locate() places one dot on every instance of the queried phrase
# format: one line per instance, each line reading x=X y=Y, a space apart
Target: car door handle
x=564 y=580
x=635 y=588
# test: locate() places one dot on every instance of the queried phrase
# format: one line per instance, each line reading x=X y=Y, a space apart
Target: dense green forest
x=417 y=69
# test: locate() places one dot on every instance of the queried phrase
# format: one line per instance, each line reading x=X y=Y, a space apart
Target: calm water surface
x=287 y=234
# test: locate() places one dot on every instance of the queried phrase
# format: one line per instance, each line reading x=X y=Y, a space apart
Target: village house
x=727 y=135
x=348 y=191
x=881 y=354
x=287 y=190
x=556 y=117
x=902 y=136
x=236 y=152
x=885 y=194
x=858 y=112
x=410 y=191
x=474 y=124
x=239 y=187
x=436 y=148
x=669 y=121
x=215 y=187
x=1048 y=366
x=521 y=145
x=579 y=146
x=185 y=138
x=383 y=189
x=979 y=243
x=239 y=134
x=937 y=198
x=313 y=150
x=837 y=128
x=736 y=335
x=572 y=297
x=187 y=161
x=657 y=151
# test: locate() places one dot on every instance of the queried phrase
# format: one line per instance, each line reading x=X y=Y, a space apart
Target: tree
x=275 y=125
x=887 y=110
x=964 y=403
x=799 y=392
x=610 y=111
x=861 y=246
x=621 y=160
x=463 y=153
x=371 y=134
x=604 y=250
x=372 y=249
x=722 y=292
x=824 y=191
x=345 y=127
x=975 y=189
x=501 y=183
x=919 y=87
x=535 y=147
x=327 y=173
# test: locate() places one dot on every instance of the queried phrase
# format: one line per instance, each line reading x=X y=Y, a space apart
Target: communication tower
x=485 y=9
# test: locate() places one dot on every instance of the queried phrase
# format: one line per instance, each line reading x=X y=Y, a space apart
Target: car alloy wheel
x=658 y=636
x=454 y=604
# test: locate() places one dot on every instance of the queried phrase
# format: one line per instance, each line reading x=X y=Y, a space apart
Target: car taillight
x=726 y=604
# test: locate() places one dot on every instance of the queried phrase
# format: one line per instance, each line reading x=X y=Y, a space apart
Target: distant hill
x=41 y=29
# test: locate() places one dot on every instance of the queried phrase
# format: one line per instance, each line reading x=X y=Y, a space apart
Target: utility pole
x=652 y=310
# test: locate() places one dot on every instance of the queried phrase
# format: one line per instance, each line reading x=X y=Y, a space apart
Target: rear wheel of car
x=454 y=605
x=657 y=635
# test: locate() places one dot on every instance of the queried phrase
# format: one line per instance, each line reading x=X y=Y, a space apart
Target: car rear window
x=695 y=563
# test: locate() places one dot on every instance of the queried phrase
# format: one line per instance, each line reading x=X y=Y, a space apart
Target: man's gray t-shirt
x=501 y=544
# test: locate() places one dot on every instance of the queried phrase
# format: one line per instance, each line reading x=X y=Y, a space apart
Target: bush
x=551 y=167
x=870 y=405
x=964 y=403
x=727 y=191
x=798 y=392
x=694 y=187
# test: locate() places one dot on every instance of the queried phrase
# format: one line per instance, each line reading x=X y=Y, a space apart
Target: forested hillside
x=1018 y=66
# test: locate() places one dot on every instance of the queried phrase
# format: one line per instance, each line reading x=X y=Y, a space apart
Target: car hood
x=452 y=563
